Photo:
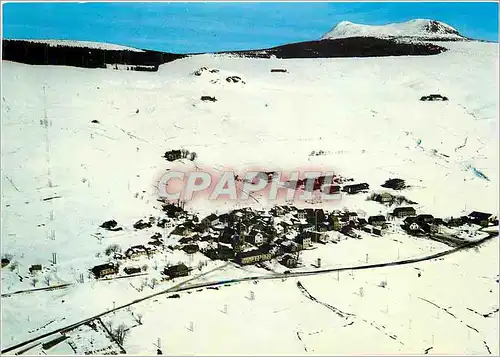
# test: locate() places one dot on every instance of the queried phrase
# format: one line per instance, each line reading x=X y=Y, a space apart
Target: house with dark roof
x=176 y=271
x=378 y=220
x=132 y=270
x=184 y=229
x=480 y=218
x=227 y=235
x=191 y=248
x=289 y=260
x=402 y=212
x=173 y=211
x=425 y=218
x=35 y=268
x=368 y=228
x=430 y=228
x=253 y=256
x=457 y=222
x=411 y=225
x=255 y=238
x=355 y=188
x=348 y=231
x=288 y=246
x=362 y=222
x=103 y=270
x=210 y=221
x=384 y=197
x=136 y=251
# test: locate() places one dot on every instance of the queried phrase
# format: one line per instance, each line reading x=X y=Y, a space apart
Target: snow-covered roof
x=225 y=245
x=417 y=28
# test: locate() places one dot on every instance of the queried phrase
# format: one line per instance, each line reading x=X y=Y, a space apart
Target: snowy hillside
x=83 y=146
x=87 y=44
x=417 y=29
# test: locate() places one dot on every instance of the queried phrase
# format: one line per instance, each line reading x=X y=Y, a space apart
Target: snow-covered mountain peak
x=417 y=28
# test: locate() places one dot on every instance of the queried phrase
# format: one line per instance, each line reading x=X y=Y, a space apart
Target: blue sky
x=209 y=27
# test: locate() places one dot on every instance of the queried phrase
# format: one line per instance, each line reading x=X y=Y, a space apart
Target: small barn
x=355 y=188
x=401 y=212
x=103 y=270
x=132 y=270
x=176 y=271
x=378 y=220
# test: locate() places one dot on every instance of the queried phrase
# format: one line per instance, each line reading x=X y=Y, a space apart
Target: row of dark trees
x=346 y=47
x=36 y=53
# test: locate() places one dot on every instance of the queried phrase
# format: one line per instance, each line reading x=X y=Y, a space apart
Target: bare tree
x=47 y=279
x=113 y=248
x=144 y=267
x=120 y=333
x=144 y=283
x=34 y=281
x=109 y=326
x=137 y=318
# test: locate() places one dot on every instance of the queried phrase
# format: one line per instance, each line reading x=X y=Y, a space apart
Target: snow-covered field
x=365 y=112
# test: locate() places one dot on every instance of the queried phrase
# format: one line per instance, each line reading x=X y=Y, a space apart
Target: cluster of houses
x=248 y=236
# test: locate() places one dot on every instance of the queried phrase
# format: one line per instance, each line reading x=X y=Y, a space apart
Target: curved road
x=181 y=287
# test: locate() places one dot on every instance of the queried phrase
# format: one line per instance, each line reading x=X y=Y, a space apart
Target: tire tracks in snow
x=346 y=315
x=461 y=321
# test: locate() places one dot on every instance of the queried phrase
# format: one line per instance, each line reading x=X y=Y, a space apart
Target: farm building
x=176 y=271
x=356 y=188
x=35 y=267
x=103 y=270
x=253 y=256
x=376 y=220
x=481 y=218
x=401 y=212
x=132 y=270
